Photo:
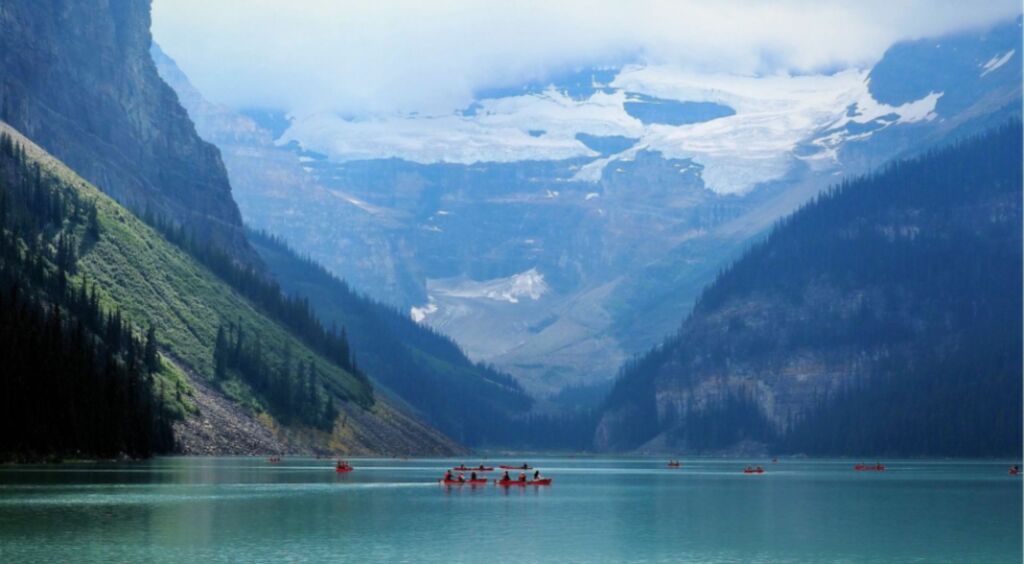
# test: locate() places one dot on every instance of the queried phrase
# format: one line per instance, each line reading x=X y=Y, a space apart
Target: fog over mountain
x=358 y=58
x=556 y=199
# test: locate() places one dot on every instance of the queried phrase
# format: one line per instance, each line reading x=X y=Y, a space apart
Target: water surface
x=598 y=509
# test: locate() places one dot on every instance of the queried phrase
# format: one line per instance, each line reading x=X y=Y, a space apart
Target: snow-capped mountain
x=742 y=130
x=558 y=228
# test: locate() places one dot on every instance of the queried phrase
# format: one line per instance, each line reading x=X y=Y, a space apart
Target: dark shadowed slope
x=883 y=318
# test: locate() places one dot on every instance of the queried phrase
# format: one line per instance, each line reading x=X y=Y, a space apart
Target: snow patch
x=419 y=314
x=869 y=110
x=525 y=285
x=365 y=206
x=996 y=62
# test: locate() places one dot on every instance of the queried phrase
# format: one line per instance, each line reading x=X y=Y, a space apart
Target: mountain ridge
x=854 y=303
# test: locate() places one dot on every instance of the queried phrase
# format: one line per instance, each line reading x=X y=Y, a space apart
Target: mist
x=358 y=58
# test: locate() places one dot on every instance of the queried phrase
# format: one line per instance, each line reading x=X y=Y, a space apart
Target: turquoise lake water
x=597 y=510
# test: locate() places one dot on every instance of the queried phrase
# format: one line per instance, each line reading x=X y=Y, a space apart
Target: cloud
x=359 y=58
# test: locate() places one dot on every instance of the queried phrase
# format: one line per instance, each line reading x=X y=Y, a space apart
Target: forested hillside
x=265 y=360
x=78 y=379
x=470 y=402
x=881 y=319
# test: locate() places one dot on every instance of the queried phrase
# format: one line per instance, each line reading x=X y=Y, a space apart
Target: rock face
x=77 y=78
x=881 y=319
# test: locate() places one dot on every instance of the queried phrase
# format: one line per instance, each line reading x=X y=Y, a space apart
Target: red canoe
x=464 y=469
x=343 y=469
x=458 y=483
x=869 y=467
x=754 y=471
x=503 y=467
x=540 y=482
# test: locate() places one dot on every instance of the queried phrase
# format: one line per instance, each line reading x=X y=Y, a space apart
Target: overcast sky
x=384 y=56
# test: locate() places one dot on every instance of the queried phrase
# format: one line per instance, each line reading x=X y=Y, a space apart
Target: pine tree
x=220 y=355
x=151 y=356
x=93 y=223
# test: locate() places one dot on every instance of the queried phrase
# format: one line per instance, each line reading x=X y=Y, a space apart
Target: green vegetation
x=293 y=312
x=470 y=402
x=157 y=284
x=176 y=305
x=293 y=396
x=78 y=379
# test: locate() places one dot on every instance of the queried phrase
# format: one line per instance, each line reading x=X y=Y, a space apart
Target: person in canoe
x=448 y=476
x=462 y=477
x=472 y=476
x=536 y=474
x=1014 y=470
x=505 y=477
x=522 y=476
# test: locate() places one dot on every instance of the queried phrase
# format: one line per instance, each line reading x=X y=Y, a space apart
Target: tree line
x=294 y=312
x=909 y=276
x=293 y=390
x=77 y=378
x=473 y=403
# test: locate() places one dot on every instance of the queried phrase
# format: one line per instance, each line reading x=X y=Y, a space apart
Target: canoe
x=540 y=482
x=503 y=467
x=869 y=467
x=753 y=471
x=343 y=469
x=458 y=483
x=464 y=469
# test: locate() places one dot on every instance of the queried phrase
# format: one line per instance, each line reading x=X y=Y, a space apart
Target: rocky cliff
x=78 y=79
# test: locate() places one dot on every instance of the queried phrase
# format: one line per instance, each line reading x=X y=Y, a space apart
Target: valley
x=624 y=190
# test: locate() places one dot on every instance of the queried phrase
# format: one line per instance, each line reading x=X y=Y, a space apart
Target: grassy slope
x=154 y=282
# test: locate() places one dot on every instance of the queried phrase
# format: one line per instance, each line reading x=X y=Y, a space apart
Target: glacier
x=773 y=115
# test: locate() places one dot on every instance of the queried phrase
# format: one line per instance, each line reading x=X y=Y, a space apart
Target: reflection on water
x=606 y=509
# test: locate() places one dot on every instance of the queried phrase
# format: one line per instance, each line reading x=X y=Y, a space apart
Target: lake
x=598 y=509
